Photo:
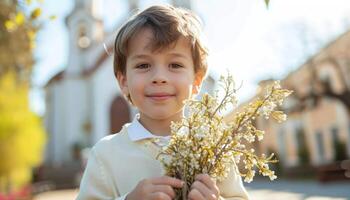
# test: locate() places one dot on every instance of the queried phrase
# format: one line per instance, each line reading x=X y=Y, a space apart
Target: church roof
x=103 y=56
x=59 y=76
x=86 y=73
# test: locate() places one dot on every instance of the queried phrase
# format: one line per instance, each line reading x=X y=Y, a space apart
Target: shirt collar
x=138 y=132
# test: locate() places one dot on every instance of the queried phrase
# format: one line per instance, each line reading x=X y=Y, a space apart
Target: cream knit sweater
x=116 y=165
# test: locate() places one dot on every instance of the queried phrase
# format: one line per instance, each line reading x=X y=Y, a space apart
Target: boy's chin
x=165 y=116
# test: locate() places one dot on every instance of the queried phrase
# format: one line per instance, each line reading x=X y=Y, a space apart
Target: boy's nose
x=159 y=77
x=158 y=81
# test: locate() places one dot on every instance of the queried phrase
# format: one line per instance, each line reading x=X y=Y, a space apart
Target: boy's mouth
x=160 y=96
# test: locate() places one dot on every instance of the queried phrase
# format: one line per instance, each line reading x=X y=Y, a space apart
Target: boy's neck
x=158 y=127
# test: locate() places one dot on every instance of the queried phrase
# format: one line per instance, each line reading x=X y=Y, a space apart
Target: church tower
x=85 y=30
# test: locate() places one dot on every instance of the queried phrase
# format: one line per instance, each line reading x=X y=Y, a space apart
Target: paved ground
x=57 y=195
x=261 y=190
x=298 y=190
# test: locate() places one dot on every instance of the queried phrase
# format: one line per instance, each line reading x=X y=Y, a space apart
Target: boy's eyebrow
x=178 y=55
x=140 y=56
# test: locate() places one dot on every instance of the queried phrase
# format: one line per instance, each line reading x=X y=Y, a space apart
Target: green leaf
x=52 y=17
x=267 y=3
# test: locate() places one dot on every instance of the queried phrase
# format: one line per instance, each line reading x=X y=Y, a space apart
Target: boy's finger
x=203 y=189
x=160 y=195
x=208 y=181
x=166 y=180
x=165 y=189
x=195 y=194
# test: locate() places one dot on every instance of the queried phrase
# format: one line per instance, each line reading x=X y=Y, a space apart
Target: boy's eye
x=143 y=66
x=175 y=65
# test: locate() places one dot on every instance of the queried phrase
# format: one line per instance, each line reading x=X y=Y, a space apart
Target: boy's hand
x=159 y=188
x=204 y=188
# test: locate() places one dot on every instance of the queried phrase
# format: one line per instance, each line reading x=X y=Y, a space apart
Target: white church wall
x=55 y=126
x=49 y=122
x=105 y=90
x=74 y=108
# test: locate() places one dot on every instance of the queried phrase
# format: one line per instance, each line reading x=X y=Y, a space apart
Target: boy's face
x=159 y=81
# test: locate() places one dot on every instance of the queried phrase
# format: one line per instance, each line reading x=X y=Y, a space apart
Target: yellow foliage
x=35 y=13
x=20 y=18
x=22 y=137
x=10 y=25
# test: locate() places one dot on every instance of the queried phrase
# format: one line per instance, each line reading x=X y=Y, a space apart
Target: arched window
x=119 y=114
x=328 y=74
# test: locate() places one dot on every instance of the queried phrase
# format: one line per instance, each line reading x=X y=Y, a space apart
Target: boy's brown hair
x=168 y=24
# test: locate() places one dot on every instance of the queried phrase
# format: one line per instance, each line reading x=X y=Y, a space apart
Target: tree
x=18 y=29
x=22 y=136
x=324 y=88
x=311 y=43
x=267 y=3
x=15 y=42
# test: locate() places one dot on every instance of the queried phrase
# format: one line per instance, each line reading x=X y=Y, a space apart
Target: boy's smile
x=160 y=96
x=159 y=81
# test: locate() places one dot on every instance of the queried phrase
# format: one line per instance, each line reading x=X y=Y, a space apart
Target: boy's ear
x=197 y=83
x=123 y=83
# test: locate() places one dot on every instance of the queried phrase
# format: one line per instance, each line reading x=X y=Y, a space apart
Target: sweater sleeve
x=232 y=187
x=95 y=183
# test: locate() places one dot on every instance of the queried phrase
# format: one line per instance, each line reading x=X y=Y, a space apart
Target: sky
x=251 y=41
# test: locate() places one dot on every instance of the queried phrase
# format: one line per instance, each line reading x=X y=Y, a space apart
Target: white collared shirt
x=138 y=132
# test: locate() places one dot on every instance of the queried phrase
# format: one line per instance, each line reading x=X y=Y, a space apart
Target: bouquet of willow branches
x=204 y=143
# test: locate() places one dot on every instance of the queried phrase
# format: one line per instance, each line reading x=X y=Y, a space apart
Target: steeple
x=90 y=6
x=85 y=30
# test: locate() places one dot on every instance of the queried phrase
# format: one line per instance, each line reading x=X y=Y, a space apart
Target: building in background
x=317 y=131
x=83 y=102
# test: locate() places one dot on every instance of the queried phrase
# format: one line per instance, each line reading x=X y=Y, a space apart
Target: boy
x=159 y=62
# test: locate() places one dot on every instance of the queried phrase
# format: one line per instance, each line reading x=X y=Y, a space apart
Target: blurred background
x=59 y=96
